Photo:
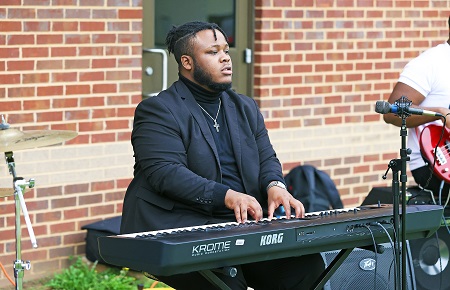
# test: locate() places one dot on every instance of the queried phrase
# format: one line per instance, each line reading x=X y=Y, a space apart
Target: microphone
x=383 y=107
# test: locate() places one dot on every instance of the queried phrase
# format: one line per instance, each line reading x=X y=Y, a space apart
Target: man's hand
x=278 y=196
x=243 y=205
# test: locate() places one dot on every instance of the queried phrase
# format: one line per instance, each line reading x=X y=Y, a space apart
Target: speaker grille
x=364 y=270
x=430 y=258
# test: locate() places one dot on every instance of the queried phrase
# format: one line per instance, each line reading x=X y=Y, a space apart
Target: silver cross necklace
x=216 y=125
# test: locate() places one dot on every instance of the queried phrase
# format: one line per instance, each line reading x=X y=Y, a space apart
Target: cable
x=435 y=152
x=393 y=248
x=6 y=274
x=376 y=257
x=448 y=198
x=440 y=191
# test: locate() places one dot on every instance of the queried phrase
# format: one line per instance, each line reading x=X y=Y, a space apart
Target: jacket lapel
x=233 y=128
x=197 y=114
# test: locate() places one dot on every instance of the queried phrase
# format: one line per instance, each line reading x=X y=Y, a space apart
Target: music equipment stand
x=19 y=186
x=397 y=165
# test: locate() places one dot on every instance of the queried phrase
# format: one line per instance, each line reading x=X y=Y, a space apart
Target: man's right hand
x=243 y=205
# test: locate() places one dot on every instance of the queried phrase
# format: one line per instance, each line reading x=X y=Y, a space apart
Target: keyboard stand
x=324 y=277
x=213 y=279
x=334 y=265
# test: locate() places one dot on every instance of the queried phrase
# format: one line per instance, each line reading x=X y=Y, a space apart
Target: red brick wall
x=68 y=65
x=76 y=65
x=320 y=66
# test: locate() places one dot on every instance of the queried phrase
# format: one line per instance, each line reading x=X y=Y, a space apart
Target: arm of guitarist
x=417 y=98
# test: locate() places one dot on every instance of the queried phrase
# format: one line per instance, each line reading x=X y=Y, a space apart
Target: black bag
x=107 y=227
x=314 y=188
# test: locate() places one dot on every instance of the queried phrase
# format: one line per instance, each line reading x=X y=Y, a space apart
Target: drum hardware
x=10 y=140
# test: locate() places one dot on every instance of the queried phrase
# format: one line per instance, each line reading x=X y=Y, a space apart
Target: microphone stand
x=399 y=229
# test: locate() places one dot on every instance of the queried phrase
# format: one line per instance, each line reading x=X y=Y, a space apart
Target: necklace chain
x=216 y=125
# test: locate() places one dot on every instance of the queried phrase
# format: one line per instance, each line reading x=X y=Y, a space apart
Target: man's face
x=212 y=67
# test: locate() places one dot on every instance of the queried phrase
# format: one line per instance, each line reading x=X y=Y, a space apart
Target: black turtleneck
x=209 y=101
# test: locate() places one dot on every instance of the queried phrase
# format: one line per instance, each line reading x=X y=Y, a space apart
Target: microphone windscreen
x=382 y=107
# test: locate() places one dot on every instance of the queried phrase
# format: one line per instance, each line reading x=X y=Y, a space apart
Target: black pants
x=288 y=273
x=423 y=174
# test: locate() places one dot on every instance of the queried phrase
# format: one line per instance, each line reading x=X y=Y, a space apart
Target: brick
x=50 y=91
x=75 y=238
x=75 y=213
x=49 y=117
x=23 y=117
x=102 y=210
x=49 y=216
x=64 y=126
x=78 y=89
x=115 y=196
x=86 y=51
x=92 y=102
x=120 y=100
x=63 y=202
x=10 y=105
x=35 y=78
x=100 y=138
x=8 y=26
x=62 y=227
x=36 y=26
x=117 y=75
x=9 y=52
x=90 y=199
x=76 y=188
x=49 y=64
x=11 y=79
x=49 y=191
x=65 y=26
x=90 y=126
x=103 y=113
x=77 y=39
x=49 y=39
x=130 y=13
x=65 y=77
x=77 y=13
x=104 y=88
x=20 y=65
x=36 y=105
x=65 y=103
x=77 y=64
x=92 y=26
x=21 y=39
x=104 y=13
x=63 y=51
x=104 y=63
x=130 y=38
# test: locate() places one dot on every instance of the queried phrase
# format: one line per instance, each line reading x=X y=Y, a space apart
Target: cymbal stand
x=19 y=186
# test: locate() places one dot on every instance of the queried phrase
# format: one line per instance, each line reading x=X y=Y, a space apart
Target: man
x=425 y=81
x=203 y=155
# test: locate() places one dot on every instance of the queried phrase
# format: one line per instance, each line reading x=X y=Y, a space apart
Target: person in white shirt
x=425 y=81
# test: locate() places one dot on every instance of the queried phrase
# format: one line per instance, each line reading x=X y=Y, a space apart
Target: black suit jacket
x=177 y=166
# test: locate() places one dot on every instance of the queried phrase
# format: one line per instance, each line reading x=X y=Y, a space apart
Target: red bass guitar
x=429 y=139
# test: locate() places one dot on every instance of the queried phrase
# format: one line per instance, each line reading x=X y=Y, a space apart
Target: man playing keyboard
x=203 y=155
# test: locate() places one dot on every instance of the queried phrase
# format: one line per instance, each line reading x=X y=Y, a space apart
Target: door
x=235 y=17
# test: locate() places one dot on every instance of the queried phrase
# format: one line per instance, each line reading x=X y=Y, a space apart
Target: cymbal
x=4 y=192
x=13 y=139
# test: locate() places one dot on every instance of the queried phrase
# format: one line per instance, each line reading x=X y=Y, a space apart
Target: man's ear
x=186 y=62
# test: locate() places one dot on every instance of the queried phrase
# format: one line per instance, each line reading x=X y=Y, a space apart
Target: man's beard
x=203 y=78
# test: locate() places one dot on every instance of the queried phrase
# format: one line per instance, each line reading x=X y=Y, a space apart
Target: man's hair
x=449 y=22
x=179 y=39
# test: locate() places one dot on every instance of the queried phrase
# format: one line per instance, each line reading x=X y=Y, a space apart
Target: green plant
x=81 y=276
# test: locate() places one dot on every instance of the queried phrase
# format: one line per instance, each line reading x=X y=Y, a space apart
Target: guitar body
x=429 y=139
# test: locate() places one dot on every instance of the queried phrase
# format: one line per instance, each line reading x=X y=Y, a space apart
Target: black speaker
x=430 y=259
x=364 y=269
